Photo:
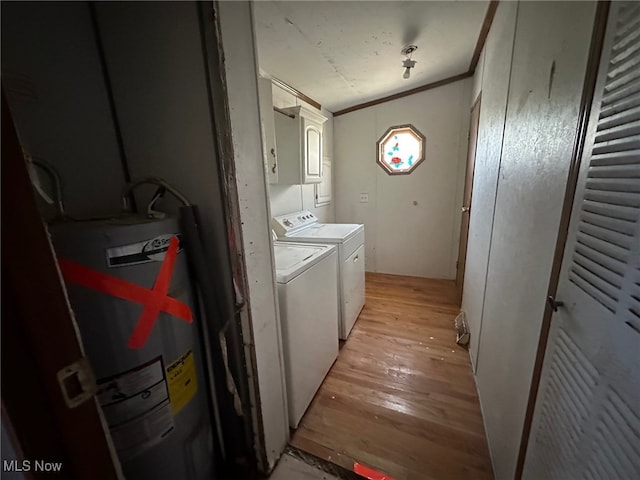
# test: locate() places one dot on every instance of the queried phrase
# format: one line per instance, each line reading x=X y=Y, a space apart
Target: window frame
x=400 y=129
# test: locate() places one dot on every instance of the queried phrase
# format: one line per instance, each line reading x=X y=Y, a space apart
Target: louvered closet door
x=587 y=419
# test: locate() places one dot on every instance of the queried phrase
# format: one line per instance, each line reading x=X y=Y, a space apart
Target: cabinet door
x=353 y=290
x=323 y=189
x=268 y=129
x=312 y=154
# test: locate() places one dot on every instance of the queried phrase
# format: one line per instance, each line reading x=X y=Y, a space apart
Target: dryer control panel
x=285 y=225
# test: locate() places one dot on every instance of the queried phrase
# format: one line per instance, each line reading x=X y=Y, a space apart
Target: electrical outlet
x=364 y=198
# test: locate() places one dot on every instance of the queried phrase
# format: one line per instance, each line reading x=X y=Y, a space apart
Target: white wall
x=539 y=131
x=241 y=71
x=412 y=222
x=172 y=138
x=55 y=88
x=494 y=85
x=290 y=198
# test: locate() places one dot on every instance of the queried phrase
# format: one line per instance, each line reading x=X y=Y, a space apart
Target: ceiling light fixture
x=407 y=63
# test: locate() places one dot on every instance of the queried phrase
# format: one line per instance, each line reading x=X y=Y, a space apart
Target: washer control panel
x=285 y=225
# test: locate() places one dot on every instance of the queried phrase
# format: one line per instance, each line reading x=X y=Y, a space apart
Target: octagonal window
x=400 y=149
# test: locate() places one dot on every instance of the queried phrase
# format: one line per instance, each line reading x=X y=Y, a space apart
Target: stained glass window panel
x=400 y=149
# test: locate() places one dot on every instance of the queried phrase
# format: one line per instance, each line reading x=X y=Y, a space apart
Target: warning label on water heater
x=137 y=408
x=183 y=384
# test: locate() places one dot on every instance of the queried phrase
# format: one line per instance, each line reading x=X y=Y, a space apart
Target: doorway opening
x=467 y=194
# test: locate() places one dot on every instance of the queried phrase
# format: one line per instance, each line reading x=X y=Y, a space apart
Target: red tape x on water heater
x=129 y=289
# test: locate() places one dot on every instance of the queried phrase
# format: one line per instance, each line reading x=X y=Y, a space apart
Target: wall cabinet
x=268 y=129
x=299 y=139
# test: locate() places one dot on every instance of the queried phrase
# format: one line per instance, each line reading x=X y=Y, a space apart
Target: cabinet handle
x=275 y=163
x=356 y=258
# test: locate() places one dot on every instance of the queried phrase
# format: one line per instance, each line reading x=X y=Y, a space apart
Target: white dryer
x=308 y=298
x=303 y=227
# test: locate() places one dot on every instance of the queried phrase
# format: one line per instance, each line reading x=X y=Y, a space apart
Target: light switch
x=364 y=198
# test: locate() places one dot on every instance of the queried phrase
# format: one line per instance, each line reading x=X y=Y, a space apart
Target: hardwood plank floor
x=401 y=397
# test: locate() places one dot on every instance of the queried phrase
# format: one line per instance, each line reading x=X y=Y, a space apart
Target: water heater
x=129 y=288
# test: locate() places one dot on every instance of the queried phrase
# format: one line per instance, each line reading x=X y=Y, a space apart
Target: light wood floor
x=401 y=397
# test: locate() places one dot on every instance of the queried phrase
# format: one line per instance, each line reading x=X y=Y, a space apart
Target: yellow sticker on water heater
x=182 y=381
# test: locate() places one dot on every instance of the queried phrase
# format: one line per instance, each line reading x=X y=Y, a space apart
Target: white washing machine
x=349 y=238
x=308 y=298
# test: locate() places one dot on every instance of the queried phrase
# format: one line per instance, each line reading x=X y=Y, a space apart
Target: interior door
x=47 y=391
x=466 y=199
x=586 y=422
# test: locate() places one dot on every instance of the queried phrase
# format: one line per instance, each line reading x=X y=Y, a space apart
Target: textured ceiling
x=342 y=53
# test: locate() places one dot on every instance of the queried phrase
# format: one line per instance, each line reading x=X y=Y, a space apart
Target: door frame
x=40 y=337
x=468 y=182
x=595 y=51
